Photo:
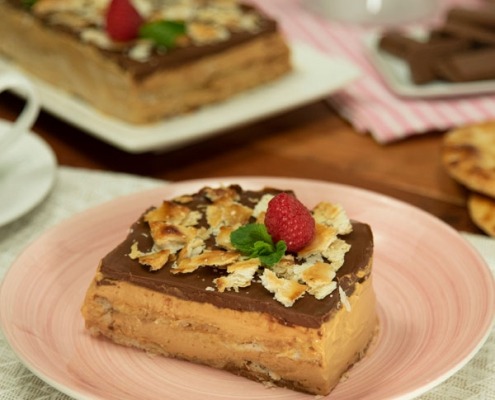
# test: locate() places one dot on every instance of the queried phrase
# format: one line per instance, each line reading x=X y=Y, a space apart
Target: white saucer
x=27 y=173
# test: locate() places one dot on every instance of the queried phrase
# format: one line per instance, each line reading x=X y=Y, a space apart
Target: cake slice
x=180 y=55
x=182 y=284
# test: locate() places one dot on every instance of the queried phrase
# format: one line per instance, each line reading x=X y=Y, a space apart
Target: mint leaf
x=28 y=3
x=163 y=33
x=274 y=257
x=245 y=237
x=261 y=249
x=253 y=240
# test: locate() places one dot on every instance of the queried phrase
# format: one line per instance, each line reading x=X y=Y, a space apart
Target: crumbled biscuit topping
x=188 y=237
x=206 y=21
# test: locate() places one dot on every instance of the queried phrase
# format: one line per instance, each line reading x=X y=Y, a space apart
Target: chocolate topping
x=182 y=55
x=196 y=286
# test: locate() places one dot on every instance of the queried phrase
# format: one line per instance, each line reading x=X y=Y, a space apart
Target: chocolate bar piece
x=397 y=44
x=471 y=32
x=421 y=56
x=478 y=17
x=438 y=34
x=468 y=66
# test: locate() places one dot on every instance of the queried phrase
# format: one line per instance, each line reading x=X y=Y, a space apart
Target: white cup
x=10 y=133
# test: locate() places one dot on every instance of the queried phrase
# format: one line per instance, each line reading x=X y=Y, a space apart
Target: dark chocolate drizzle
x=307 y=311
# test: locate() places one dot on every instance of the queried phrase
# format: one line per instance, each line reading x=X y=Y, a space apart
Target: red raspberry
x=289 y=220
x=122 y=21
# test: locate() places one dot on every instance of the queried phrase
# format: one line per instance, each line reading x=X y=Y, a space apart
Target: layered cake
x=144 y=60
x=247 y=281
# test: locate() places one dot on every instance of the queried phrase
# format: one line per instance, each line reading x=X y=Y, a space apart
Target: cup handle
x=15 y=81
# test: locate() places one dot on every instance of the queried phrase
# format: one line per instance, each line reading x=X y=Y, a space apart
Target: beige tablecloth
x=77 y=189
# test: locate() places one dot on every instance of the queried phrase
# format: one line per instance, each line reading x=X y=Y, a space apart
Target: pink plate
x=436 y=304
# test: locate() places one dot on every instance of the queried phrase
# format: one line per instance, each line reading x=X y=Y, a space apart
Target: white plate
x=27 y=173
x=395 y=72
x=315 y=76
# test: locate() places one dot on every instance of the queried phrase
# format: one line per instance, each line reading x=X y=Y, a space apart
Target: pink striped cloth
x=367 y=103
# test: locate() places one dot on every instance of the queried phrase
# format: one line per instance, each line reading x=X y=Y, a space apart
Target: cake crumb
x=344 y=299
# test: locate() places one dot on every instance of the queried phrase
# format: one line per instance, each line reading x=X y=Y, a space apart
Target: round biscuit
x=482 y=211
x=468 y=154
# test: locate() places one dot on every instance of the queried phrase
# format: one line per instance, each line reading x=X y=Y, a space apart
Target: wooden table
x=310 y=142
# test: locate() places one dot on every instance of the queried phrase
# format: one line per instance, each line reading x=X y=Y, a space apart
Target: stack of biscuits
x=461 y=49
x=468 y=154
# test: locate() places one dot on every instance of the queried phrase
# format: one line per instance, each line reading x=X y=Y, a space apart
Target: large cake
x=144 y=60
x=205 y=277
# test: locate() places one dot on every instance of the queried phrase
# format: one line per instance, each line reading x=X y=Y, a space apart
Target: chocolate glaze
x=160 y=60
x=307 y=311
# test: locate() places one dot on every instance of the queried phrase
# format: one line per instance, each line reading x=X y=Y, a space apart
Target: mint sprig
x=163 y=33
x=253 y=240
x=28 y=3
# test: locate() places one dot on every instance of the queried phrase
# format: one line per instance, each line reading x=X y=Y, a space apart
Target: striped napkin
x=367 y=103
